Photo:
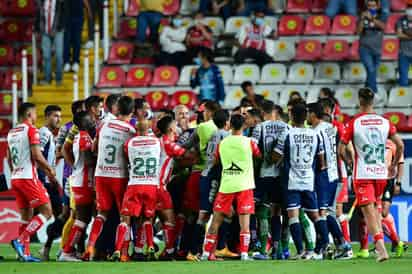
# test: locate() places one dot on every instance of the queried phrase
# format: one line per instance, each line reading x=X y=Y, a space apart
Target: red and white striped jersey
x=83 y=168
x=369 y=133
x=111 y=160
x=170 y=150
x=144 y=154
x=19 y=141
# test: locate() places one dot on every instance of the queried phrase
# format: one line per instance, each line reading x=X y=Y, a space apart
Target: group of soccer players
x=242 y=181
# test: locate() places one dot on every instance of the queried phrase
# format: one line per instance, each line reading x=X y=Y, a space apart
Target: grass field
x=355 y=266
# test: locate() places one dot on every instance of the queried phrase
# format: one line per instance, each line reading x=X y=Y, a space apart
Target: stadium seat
x=390 y=49
x=290 y=25
x=386 y=72
x=171 y=7
x=400 y=97
x=354 y=73
x=273 y=73
x=234 y=23
x=319 y=6
x=185 y=73
x=227 y=73
x=128 y=28
x=284 y=50
x=317 y=25
x=157 y=99
x=29 y=51
x=354 y=51
x=347 y=97
x=271 y=21
x=301 y=73
x=246 y=72
x=398 y=5
x=381 y=98
x=8 y=76
x=5 y=127
x=313 y=94
x=165 y=76
x=326 y=72
x=133 y=8
x=309 y=50
x=335 y=50
x=233 y=96
x=398 y=119
x=111 y=77
x=409 y=124
x=216 y=24
x=269 y=92
x=298 y=6
x=390 y=27
x=344 y=24
x=26 y=35
x=120 y=53
x=133 y=94
x=286 y=91
x=5 y=103
x=18 y=8
x=138 y=77
x=6 y=55
x=183 y=97
x=12 y=31
x=188 y=7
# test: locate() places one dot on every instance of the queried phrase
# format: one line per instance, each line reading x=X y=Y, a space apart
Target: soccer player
x=111 y=169
x=369 y=133
x=235 y=153
x=143 y=154
x=268 y=190
x=182 y=115
x=303 y=157
x=112 y=107
x=82 y=184
x=24 y=155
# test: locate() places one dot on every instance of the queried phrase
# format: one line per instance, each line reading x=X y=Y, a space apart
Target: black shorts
x=388 y=192
x=268 y=191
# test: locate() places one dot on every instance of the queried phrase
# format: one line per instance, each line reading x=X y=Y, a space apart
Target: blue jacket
x=210 y=82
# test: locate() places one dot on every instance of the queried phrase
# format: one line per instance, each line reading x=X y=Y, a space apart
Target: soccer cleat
x=363 y=254
x=192 y=258
x=226 y=253
x=286 y=254
x=277 y=256
x=317 y=256
x=344 y=253
x=18 y=247
x=329 y=252
x=66 y=257
x=124 y=258
x=245 y=258
x=166 y=256
x=138 y=257
x=400 y=249
x=308 y=255
x=213 y=258
x=30 y=259
x=151 y=254
x=297 y=257
x=44 y=253
x=115 y=256
x=259 y=256
x=89 y=254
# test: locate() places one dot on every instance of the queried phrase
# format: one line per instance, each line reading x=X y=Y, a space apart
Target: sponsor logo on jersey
x=119 y=127
x=371 y=122
x=233 y=170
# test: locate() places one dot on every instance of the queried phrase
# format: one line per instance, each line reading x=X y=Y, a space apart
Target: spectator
x=208 y=77
x=370 y=29
x=94 y=9
x=246 y=7
x=198 y=36
x=251 y=38
x=335 y=6
x=150 y=15
x=404 y=30
x=49 y=24
x=330 y=94
x=251 y=99
x=182 y=115
x=73 y=33
x=172 y=42
x=221 y=8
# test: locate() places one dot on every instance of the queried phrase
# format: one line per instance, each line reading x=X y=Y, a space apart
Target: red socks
x=244 y=241
x=140 y=239
x=344 y=224
x=148 y=228
x=121 y=234
x=389 y=228
x=97 y=228
x=32 y=227
x=75 y=234
x=210 y=243
x=377 y=237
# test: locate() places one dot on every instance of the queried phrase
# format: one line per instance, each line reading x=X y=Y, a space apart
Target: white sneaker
x=89 y=44
x=245 y=257
x=308 y=255
x=66 y=257
x=66 y=67
x=75 y=67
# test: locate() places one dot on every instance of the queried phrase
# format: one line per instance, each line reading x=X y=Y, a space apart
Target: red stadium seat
x=165 y=76
x=344 y=24
x=390 y=27
x=157 y=99
x=291 y=25
x=317 y=25
x=121 y=53
x=145 y=60
x=398 y=119
x=13 y=30
x=298 y=6
x=183 y=97
x=133 y=8
x=335 y=50
x=6 y=100
x=111 y=77
x=6 y=55
x=18 y=8
x=26 y=36
x=390 y=49
x=8 y=77
x=138 y=77
x=128 y=28
x=398 y=5
x=171 y=7
x=29 y=50
x=5 y=126
x=409 y=124
x=354 y=51
x=133 y=94
x=319 y=5
x=309 y=50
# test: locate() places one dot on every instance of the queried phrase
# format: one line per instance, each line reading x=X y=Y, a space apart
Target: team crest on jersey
x=233 y=170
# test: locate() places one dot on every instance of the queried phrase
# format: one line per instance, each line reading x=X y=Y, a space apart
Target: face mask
x=197 y=61
x=177 y=22
x=409 y=12
x=259 y=21
x=373 y=12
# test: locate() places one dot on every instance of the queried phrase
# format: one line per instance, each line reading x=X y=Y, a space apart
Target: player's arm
x=320 y=152
x=396 y=139
x=401 y=34
x=255 y=150
x=279 y=149
x=41 y=162
x=9 y=160
x=68 y=153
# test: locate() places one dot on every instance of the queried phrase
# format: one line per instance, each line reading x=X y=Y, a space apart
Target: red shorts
x=343 y=193
x=191 y=196
x=164 y=200
x=369 y=191
x=83 y=195
x=138 y=200
x=109 y=191
x=30 y=193
x=244 y=202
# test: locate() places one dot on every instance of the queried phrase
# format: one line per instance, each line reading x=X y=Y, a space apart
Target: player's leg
x=122 y=240
x=295 y=227
x=169 y=230
x=342 y=197
x=276 y=212
x=210 y=243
